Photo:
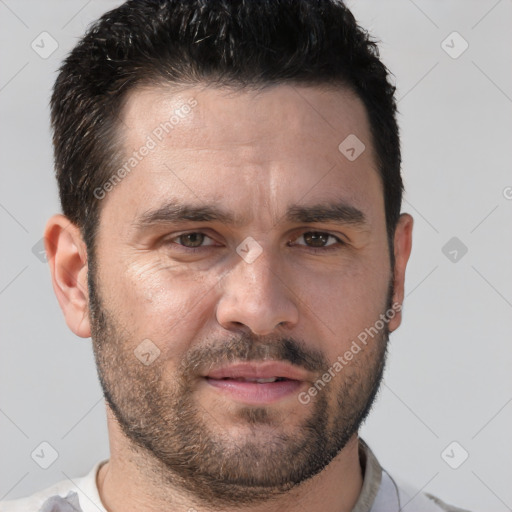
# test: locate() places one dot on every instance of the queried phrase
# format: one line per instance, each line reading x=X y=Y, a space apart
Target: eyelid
x=325 y=249
x=340 y=237
x=171 y=239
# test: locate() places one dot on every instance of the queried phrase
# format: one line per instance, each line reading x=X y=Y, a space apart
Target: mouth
x=257 y=383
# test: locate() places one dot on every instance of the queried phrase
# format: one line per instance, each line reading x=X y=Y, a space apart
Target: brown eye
x=315 y=239
x=191 y=239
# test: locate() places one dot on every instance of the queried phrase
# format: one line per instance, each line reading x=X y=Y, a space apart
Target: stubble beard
x=181 y=443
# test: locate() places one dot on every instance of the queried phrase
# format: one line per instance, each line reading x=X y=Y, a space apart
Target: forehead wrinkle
x=263 y=191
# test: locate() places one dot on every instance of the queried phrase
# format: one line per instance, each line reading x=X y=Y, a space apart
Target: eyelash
x=315 y=250
x=320 y=250
x=190 y=250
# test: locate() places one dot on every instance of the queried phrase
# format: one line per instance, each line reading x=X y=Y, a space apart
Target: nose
x=257 y=296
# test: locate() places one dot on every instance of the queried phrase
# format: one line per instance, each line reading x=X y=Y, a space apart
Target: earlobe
x=67 y=256
x=402 y=250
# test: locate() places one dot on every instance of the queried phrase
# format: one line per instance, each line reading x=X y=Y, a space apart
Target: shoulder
x=34 y=502
x=412 y=499
x=382 y=492
x=85 y=487
x=444 y=506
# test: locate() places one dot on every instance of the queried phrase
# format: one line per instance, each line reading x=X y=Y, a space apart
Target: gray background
x=448 y=377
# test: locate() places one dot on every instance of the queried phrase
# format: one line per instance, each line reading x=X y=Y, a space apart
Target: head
x=229 y=174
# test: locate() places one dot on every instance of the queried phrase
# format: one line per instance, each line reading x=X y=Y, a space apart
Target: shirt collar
x=372 y=477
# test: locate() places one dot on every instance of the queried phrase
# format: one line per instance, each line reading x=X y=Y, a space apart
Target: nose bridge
x=254 y=295
x=259 y=276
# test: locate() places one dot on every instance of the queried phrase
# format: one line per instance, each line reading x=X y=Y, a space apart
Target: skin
x=254 y=154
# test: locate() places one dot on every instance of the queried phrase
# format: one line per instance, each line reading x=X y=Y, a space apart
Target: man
x=229 y=173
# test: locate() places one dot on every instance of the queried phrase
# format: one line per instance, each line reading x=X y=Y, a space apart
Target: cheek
x=345 y=301
x=167 y=306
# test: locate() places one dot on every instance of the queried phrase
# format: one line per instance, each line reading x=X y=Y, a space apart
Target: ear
x=402 y=249
x=66 y=253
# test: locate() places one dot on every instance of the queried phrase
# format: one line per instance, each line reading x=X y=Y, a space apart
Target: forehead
x=253 y=151
x=199 y=115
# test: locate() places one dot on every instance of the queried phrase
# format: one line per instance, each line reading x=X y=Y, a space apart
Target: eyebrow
x=175 y=212
x=172 y=212
x=341 y=213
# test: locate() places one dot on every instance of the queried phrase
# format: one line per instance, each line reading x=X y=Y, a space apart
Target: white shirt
x=380 y=492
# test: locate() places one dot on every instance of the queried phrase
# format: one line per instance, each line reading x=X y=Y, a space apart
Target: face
x=236 y=264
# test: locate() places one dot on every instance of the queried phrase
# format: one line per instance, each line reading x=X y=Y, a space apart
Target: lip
x=261 y=370
x=223 y=380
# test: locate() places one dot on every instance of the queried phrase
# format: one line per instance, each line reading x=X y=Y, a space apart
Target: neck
x=129 y=481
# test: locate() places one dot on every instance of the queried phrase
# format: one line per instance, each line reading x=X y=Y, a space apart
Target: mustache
x=248 y=348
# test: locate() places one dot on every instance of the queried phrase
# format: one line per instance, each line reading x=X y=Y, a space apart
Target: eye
x=316 y=239
x=193 y=240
